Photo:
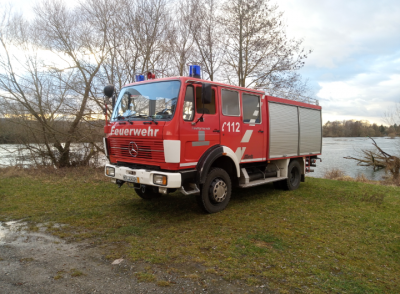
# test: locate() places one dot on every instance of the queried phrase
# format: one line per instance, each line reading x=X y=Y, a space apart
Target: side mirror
x=109 y=90
x=206 y=93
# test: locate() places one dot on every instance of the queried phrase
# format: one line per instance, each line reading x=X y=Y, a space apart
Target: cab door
x=253 y=131
x=231 y=121
x=199 y=125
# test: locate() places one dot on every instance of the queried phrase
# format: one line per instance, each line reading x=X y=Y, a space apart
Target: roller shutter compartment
x=283 y=130
x=310 y=131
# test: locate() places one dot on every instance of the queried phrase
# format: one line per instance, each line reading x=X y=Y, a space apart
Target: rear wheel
x=147 y=192
x=216 y=191
x=294 y=176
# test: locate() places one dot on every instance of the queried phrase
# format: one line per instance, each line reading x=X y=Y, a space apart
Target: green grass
x=145 y=277
x=76 y=273
x=327 y=236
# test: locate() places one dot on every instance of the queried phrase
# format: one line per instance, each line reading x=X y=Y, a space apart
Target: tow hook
x=119 y=183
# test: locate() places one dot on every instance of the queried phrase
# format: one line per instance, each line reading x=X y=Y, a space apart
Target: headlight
x=160 y=180
x=110 y=171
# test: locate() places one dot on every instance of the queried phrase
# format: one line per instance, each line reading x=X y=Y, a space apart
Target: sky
x=354 y=69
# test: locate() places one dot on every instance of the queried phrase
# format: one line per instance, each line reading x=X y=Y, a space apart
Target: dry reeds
x=340 y=175
x=334 y=174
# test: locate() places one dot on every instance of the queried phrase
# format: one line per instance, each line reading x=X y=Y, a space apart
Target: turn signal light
x=110 y=171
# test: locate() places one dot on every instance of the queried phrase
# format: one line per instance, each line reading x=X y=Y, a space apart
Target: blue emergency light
x=195 y=71
x=139 y=78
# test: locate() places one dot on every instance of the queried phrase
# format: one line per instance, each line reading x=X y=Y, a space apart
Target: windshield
x=153 y=100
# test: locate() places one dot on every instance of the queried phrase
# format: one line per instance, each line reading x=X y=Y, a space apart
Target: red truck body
x=163 y=136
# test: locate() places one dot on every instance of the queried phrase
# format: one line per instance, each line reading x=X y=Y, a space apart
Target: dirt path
x=36 y=262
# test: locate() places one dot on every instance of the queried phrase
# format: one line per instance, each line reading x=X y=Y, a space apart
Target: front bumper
x=145 y=176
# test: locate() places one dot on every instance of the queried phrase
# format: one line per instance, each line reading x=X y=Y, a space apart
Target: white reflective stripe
x=105 y=146
x=252 y=121
x=233 y=156
x=188 y=164
x=172 y=151
x=239 y=152
x=253 y=159
x=202 y=135
x=252 y=125
x=247 y=136
x=201 y=143
x=255 y=113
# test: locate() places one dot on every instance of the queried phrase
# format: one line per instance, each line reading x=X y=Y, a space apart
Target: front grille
x=148 y=150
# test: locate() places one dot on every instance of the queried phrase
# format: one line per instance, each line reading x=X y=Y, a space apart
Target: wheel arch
x=217 y=156
x=301 y=161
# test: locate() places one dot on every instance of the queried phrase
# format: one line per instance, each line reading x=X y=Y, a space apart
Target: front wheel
x=147 y=192
x=216 y=191
x=294 y=176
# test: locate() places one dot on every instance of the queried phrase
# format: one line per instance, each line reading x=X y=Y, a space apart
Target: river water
x=333 y=151
x=14 y=154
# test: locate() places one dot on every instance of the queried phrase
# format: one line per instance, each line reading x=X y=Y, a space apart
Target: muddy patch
x=37 y=262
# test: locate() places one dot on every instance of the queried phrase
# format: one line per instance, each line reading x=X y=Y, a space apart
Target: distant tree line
x=12 y=132
x=354 y=128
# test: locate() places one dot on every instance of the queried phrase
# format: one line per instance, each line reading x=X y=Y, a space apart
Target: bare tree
x=53 y=68
x=152 y=24
x=51 y=99
x=180 y=35
x=136 y=36
x=257 y=49
x=208 y=35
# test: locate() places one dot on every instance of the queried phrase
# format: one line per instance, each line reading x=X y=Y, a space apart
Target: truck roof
x=196 y=80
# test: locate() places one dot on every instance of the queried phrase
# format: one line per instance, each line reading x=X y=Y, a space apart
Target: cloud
x=355 y=65
x=362 y=96
x=339 y=31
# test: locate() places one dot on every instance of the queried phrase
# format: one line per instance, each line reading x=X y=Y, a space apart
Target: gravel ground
x=36 y=262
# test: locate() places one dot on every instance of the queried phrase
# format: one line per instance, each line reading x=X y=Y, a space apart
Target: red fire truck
x=205 y=138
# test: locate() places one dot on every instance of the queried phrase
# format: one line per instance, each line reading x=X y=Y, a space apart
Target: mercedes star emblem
x=133 y=149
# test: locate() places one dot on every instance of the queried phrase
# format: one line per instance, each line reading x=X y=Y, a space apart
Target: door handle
x=261 y=131
x=216 y=131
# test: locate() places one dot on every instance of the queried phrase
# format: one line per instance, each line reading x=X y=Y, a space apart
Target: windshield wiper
x=135 y=116
x=140 y=115
x=156 y=122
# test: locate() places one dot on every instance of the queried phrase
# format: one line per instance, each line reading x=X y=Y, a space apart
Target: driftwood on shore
x=379 y=159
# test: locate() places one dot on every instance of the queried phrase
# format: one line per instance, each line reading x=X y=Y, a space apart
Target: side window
x=208 y=108
x=230 y=103
x=251 y=109
x=188 y=104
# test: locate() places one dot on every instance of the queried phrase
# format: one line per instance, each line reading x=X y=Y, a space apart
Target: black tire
x=147 y=192
x=294 y=176
x=216 y=191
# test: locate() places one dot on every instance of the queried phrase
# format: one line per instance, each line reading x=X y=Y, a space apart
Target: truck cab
x=204 y=138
